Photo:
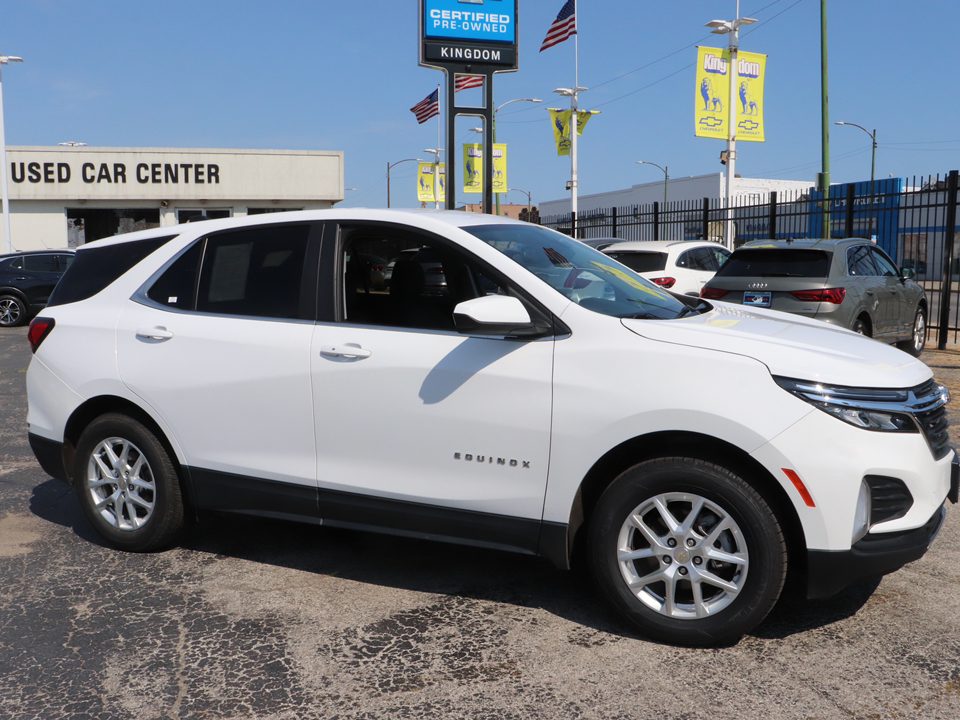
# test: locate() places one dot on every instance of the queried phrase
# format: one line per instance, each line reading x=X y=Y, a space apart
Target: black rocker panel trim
x=225 y=492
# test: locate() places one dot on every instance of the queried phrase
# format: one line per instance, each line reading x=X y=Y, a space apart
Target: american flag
x=464 y=82
x=427 y=108
x=563 y=27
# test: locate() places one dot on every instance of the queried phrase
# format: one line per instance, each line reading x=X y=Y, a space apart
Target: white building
x=745 y=190
x=66 y=196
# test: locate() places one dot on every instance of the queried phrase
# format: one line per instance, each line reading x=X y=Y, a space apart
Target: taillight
x=664 y=282
x=40 y=327
x=827 y=295
x=709 y=293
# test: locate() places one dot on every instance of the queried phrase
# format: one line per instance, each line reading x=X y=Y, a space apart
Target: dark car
x=26 y=281
x=850 y=282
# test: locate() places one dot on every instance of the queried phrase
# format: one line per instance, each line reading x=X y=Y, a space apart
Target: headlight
x=880 y=410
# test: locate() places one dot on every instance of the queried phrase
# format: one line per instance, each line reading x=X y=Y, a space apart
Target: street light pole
x=494 y=128
x=724 y=27
x=4 y=59
x=666 y=177
x=873 y=160
x=666 y=181
x=436 y=174
x=572 y=93
x=388 y=175
x=529 y=201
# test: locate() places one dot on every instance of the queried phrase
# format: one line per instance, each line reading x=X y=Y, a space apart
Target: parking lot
x=251 y=618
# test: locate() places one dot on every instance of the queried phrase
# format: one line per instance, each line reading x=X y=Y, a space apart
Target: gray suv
x=851 y=283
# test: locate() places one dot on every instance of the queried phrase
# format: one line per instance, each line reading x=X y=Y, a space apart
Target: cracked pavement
x=251 y=618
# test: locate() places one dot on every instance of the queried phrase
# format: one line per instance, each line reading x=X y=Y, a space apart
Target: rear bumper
x=49 y=454
x=828 y=572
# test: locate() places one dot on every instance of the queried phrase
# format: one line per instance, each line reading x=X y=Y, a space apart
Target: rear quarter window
x=769 y=262
x=94 y=268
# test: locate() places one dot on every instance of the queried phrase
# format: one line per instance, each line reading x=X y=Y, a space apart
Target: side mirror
x=496 y=315
x=907 y=274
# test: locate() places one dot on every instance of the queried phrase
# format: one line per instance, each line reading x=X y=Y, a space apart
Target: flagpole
x=574 y=118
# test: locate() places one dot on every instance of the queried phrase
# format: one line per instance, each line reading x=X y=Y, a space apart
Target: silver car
x=851 y=283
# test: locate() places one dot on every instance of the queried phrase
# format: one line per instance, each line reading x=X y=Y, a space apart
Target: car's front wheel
x=687 y=551
x=918 y=338
x=127 y=485
x=13 y=311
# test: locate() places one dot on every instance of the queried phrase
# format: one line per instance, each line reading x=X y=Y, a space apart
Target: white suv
x=547 y=399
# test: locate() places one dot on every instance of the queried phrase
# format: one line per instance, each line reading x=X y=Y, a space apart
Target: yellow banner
x=713 y=94
x=560 y=120
x=425 y=182
x=473 y=168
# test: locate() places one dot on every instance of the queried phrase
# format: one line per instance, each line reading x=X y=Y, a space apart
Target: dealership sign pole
x=479 y=39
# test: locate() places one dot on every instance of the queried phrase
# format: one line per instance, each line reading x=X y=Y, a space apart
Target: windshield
x=580 y=273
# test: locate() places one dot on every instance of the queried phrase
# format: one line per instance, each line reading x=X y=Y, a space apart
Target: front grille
x=929 y=406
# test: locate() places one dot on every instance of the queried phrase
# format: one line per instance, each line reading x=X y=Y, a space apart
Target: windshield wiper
x=642 y=316
x=782 y=274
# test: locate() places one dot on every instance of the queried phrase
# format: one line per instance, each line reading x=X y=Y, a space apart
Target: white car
x=550 y=399
x=683 y=267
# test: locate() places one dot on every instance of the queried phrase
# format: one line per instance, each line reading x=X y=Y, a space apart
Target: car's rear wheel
x=918 y=338
x=687 y=551
x=860 y=326
x=127 y=485
x=13 y=311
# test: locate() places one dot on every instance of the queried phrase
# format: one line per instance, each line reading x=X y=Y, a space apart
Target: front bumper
x=828 y=572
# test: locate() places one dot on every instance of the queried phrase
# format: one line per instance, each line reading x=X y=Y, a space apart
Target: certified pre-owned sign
x=455 y=32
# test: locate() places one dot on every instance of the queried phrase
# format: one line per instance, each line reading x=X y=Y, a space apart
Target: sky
x=341 y=76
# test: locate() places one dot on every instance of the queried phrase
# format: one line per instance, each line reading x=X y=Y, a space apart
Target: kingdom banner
x=713 y=92
x=425 y=178
x=473 y=168
x=560 y=120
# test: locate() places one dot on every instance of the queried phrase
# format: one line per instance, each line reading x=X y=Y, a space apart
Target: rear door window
x=859 y=262
x=776 y=262
x=257 y=272
x=40 y=263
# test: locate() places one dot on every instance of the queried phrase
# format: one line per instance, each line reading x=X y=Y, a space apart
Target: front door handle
x=347 y=350
x=154 y=333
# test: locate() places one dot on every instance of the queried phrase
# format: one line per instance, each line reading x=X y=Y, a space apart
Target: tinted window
x=177 y=286
x=580 y=273
x=256 y=272
x=884 y=264
x=770 y=262
x=95 y=267
x=40 y=263
x=641 y=261
x=859 y=262
x=418 y=288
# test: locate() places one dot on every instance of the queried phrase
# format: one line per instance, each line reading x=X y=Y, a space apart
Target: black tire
x=145 y=512
x=861 y=327
x=918 y=336
x=13 y=311
x=727 y=518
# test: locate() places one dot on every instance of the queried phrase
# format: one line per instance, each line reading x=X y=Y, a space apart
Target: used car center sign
x=468 y=32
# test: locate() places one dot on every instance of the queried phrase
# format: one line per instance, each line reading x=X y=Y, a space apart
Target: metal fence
x=913 y=219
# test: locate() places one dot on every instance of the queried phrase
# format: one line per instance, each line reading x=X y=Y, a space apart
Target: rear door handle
x=154 y=333
x=347 y=350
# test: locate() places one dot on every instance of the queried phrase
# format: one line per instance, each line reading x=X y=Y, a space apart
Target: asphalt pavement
x=251 y=618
